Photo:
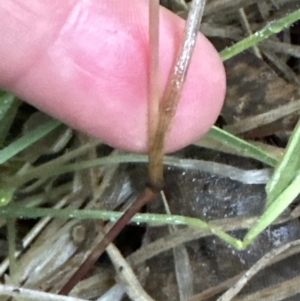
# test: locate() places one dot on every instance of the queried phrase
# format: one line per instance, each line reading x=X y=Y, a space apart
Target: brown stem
x=173 y=91
x=158 y=129
x=114 y=231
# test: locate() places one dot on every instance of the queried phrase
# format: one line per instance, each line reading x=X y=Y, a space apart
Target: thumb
x=86 y=63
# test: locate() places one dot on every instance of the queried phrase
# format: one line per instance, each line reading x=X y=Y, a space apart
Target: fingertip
x=90 y=70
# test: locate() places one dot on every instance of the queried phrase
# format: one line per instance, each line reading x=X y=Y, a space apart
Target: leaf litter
x=175 y=263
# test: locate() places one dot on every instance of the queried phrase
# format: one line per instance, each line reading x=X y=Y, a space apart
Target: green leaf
x=28 y=139
x=242 y=146
x=6 y=195
x=270 y=29
x=287 y=169
x=8 y=108
x=279 y=204
x=6 y=100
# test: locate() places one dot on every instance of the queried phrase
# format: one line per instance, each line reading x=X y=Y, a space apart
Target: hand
x=86 y=63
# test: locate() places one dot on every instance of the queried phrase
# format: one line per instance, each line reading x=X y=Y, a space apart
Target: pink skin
x=86 y=63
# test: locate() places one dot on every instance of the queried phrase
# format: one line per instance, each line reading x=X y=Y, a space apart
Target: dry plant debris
x=163 y=263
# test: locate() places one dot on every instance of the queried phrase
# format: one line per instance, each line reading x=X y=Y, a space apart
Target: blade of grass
x=15 y=211
x=33 y=295
x=242 y=146
x=287 y=169
x=8 y=108
x=275 y=208
x=6 y=100
x=6 y=194
x=270 y=29
x=11 y=234
x=48 y=170
x=26 y=140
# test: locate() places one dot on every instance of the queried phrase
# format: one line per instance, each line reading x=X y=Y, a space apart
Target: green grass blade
x=270 y=29
x=15 y=211
x=242 y=146
x=6 y=100
x=28 y=139
x=8 y=108
x=287 y=169
x=274 y=210
x=6 y=195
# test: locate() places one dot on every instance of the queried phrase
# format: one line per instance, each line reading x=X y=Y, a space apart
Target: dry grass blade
x=183 y=269
x=281 y=291
x=211 y=292
x=126 y=276
x=277 y=292
x=252 y=122
x=32 y=235
x=33 y=295
x=262 y=263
